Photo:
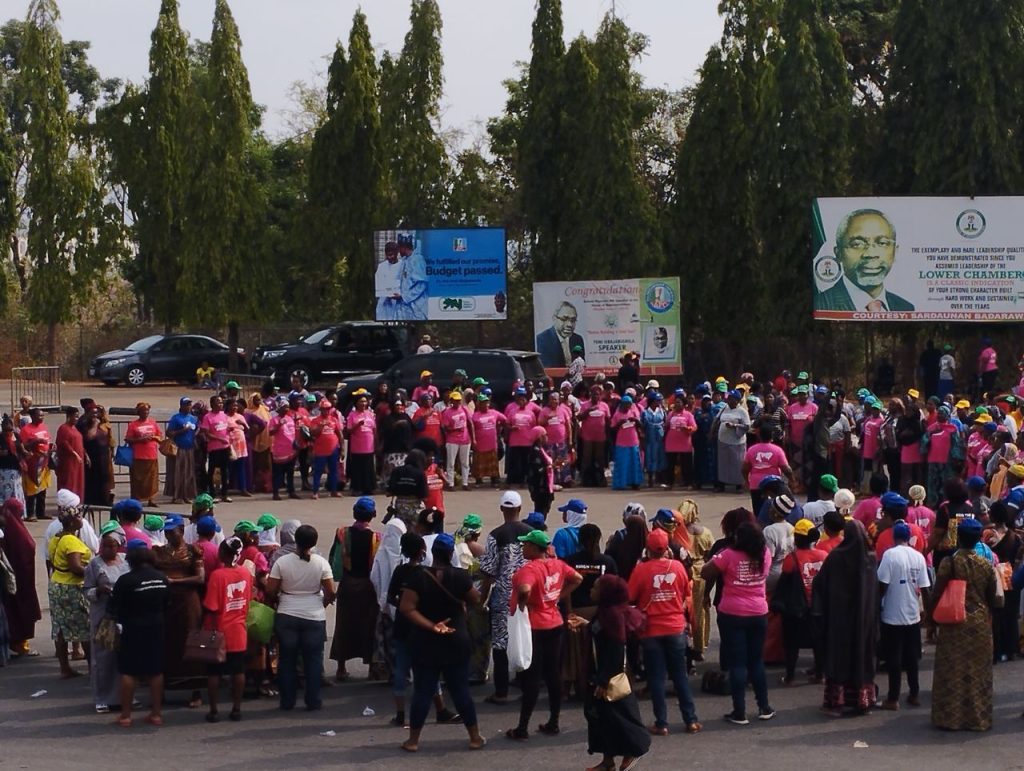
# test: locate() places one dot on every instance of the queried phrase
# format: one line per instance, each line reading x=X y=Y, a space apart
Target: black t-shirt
x=408 y=482
x=141 y=597
x=400 y=579
x=591 y=568
x=436 y=604
x=397 y=433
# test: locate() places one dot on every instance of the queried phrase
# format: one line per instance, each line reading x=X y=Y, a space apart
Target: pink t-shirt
x=420 y=391
x=556 y=421
x=210 y=559
x=911 y=453
x=679 y=435
x=923 y=517
x=485 y=429
x=327 y=441
x=765 y=460
x=455 y=421
x=867 y=511
x=594 y=421
x=800 y=417
x=282 y=431
x=941 y=441
x=218 y=429
x=987 y=360
x=743 y=583
x=872 y=426
x=362 y=427
x=131 y=533
x=626 y=421
x=521 y=421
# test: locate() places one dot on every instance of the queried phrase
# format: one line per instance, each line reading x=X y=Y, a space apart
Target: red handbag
x=952 y=605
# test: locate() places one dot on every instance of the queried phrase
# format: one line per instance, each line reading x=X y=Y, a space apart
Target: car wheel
x=136 y=376
x=302 y=372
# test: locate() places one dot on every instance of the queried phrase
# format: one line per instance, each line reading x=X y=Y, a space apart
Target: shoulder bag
x=205 y=646
x=951 y=608
x=167 y=447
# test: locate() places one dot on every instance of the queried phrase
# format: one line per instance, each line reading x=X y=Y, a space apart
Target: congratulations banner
x=444 y=274
x=601 y=320
x=919 y=259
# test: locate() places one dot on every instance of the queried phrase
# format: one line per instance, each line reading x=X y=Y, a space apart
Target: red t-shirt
x=884 y=540
x=435 y=488
x=828 y=544
x=660 y=588
x=40 y=433
x=431 y=424
x=809 y=563
x=143 y=429
x=228 y=593
x=546 y=578
x=327 y=441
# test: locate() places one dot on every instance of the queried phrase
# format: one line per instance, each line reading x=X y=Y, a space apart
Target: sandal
x=155 y=720
x=124 y=722
x=694 y=728
x=266 y=689
x=235 y=715
x=410 y=747
x=520 y=734
x=446 y=716
x=478 y=745
x=549 y=729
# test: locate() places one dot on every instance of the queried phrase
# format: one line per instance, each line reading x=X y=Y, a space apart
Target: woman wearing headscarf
x=434 y=602
x=22 y=608
x=12 y=456
x=567 y=539
x=962 y=697
x=143 y=436
x=66 y=559
x=258 y=417
x=100 y=576
x=71 y=458
x=625 y=425
x=352 y=558
x=182 y=563
x=36 y=473
x=844 y=599
x=287 y=535
x=614 y=728
x=653 y=419
x=697 y=541
x=139 y=604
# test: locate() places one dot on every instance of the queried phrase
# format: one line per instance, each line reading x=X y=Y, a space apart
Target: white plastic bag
x=520 y=642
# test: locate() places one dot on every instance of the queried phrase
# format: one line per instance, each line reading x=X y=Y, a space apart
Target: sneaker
x=766 y=713
x=737 y=718
x=102 y=709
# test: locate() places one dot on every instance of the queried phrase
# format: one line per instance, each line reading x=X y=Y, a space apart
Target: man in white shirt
x=816 y=510
x=902 y=575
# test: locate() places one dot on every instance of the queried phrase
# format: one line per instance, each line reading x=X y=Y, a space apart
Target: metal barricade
x=41 y=384
x=247 y=381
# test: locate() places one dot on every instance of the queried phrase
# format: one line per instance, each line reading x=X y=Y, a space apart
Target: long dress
x=962 y=689
x=22 y=608
x=654 y=440
x=613 y=727
x=103 y=675
x=705 y=461
x=351 y=558
x=70 y=460
x=184 y=614
x=98 y=474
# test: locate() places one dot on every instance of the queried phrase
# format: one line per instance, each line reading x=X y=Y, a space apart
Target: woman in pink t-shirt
x=743 y=617
x=761 y=460
x=239 y=453
x=556 y=419
x=282 y=451
x=679 y=430
x=522 y=419
x=628 y=469
x=455 y=422
x=361 y=432
x=941 y=436
x=216 y=429
x=486 y=423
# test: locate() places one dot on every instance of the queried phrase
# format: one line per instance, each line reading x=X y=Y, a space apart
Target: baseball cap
x=443 y=542
x=268 y=521
x=479 y=381
x=456 y=395
x=893 y=500
x=721 y=387
x=969 y=524
x=183 y=401
x=152 y=522
x=483 y=397
x=207 y=526
x=574 y=504
x=1017 y=469
x=365 y=504
x=136 y=543
x=232 y=385
x=913 y=393
x=963 y=404
x=520 y=391
x=426 y=373
x=246 y=526
x=652 y=383
x=829 y=482
x=803 y=527
x=901 y=531
x=510 y=499
x=110 y=527
x=771 y=479
x=976 y=483
x=472 y=522
x=310 y=398
x=536 y=520
x=663 y=516
x=657 y=540
x=174 y=521
x=821 y=391
x=536 y=537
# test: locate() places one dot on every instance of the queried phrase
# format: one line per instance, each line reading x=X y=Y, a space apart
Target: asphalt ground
x=58 y=729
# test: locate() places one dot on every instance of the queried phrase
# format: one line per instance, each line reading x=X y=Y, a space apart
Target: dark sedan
x=161 y=357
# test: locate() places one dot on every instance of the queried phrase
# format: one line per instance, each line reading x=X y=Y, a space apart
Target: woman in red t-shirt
x=228 y=594
x=144 y=436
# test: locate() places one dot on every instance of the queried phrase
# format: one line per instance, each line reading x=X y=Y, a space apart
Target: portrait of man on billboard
x=866 y=250
x=556 y=343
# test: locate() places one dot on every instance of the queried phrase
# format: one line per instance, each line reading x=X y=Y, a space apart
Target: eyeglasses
x=571 y=319
x=862 y=244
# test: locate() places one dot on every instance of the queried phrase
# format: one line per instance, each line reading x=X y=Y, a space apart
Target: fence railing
x=246 y=380
x=41 y=384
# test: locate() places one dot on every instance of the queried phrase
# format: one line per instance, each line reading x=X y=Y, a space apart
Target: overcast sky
x=286 y=40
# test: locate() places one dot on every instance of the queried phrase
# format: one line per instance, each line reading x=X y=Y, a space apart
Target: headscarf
x=633 y=509
x=287 y=533
x=66 y=499
x=575 y=518
x=20 y=548
x=681 y=535
x=615 y=616
x=632 y=547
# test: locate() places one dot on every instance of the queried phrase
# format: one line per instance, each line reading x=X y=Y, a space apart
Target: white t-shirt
x=947 y=365
x=778 y=536
x=905 y=571
x=816 y=511
x=300 y=586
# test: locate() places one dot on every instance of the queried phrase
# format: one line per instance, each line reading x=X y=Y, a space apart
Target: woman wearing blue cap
x=962 y=700
x=351 y=559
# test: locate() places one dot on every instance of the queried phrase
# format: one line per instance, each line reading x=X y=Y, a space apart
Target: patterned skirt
x=485 y=464
x=962 y=691
x=144 y=478
x=559 y=453
x=69 y=612
x=10 y=485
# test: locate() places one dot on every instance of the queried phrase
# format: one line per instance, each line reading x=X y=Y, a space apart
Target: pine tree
x=540 y=165
x=219 y=281
x=347 y=171
x=60 y=182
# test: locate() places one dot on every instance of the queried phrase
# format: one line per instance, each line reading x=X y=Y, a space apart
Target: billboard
x=919 y=259
x=440 y=274
x=605 y=319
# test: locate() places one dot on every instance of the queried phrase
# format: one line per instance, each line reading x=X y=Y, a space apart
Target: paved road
x=49 y=731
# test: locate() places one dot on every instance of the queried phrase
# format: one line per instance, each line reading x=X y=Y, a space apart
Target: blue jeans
x=330 y=462
x=424 y=686
x=663 y=654
x=300 y=636
x=743 y=645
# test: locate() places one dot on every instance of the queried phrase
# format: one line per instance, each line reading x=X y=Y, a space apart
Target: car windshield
x=316 y=337
x=145 y=343
x=532 y=367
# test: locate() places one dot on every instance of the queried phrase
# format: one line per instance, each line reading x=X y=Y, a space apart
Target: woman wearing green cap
x=100 y=576
x=468 y=551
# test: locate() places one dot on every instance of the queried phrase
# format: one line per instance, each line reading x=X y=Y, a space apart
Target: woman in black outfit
x=909 y=430
x=614 y=728
x=434 y=602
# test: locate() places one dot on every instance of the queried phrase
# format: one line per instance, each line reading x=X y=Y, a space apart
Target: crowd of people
x=871 y=521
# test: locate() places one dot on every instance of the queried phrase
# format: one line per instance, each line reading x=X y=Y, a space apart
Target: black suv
x=332 y=353
x=500 y=368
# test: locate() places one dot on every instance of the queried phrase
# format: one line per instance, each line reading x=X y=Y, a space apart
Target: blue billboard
x=440 y=274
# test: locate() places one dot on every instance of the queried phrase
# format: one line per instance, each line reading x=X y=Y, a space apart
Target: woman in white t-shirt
x=304 y=586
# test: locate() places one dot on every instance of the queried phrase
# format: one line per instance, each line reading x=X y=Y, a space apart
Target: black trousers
x=547 y=665
x=516 y=459
x=685 y=462
x=901 y=648
x=798 y=633
x=218 y=459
